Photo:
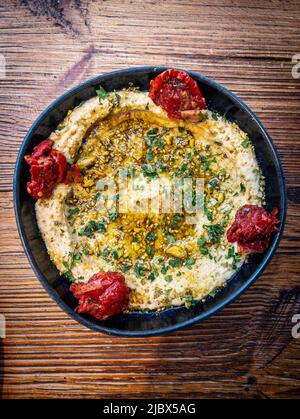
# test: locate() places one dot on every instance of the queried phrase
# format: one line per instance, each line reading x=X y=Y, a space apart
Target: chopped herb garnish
x=149 y=171
x=213 y=183
x=183 y=167
x=202 y=245
x=73 y=258
x=168 y=278
x=73 y=211
x=150 y=250
x=151 y=237
x=190 y=262
x=208 y=214
x=214 y=232
x=115 y=254
x=139 y=270
x=92 y=227
x=125 y=268
x=175 y=263
x=113 y=215
x=190 y=301
x=246 y=143
x=235 y=257
x=151 y=276
x=102 y=93
x=243 y=188
x=164 y=269
x=149 y=155
x=170 y=238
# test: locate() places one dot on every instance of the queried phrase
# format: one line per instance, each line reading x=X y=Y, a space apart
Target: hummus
x=167 y=258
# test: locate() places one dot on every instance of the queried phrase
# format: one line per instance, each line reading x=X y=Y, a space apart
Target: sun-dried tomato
x=177 y=93
x=73 y=175
x=60 y=164
x=43 y=178
x=252 y=228
x=105 y=295
x=41 y=150
x=47 y=168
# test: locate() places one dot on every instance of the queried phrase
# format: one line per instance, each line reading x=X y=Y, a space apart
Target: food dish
x=196 y=143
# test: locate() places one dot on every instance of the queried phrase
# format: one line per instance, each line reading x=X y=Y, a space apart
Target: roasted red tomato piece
x=103 y=296
x=252 y=228
x=41 y=150
x=47 y=168
x=177 y=93
x=60 y=164
x=43 y=178
x=73 y=175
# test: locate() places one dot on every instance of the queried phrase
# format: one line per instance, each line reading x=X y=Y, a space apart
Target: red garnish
x=60 y=163
x=103 y=296
x=47 y=168
x=177 y=93
x=252 y=228
x=73 y=175
x=41 y=150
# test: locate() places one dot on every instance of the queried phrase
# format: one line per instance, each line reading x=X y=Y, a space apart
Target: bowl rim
x=102 y=328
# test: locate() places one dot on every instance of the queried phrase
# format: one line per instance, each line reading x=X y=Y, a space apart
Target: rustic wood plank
x=246 y=350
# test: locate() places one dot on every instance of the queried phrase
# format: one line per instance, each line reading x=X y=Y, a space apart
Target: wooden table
x=246 y=350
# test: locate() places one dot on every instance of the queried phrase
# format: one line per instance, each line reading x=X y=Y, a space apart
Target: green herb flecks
x=214 y=232
x=190 y=262
x=202 y=245
x=246 y=143
x=73 y=211
x=73 y=259
x=91 y=228
x=101 y=93
x=168 y=278
x=175 y=263
x=149 y=171
x=139 y=270
x=232 y=254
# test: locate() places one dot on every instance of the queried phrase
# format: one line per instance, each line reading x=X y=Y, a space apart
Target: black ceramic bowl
x=139 y=323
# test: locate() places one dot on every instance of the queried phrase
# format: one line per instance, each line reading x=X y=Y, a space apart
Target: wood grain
x=246 y=350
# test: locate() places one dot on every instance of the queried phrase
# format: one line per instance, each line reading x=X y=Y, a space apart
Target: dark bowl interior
x=139 y=323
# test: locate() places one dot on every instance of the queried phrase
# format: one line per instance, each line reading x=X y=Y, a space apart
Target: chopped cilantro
x=149 y=171
x=202 y=245
x=91 y=227
x=149 y=155
x=151 y=237
x=235 y=257
x=190 y=262
x=149 y=250
x=139 y=270
x=243 y=188
x=151 y=276
x=246 y=143
x=214 y=232
x=125 y=268
x=164 y=269
x=113 y=215
x=168 y=278
x=174 y=263
x=170 y=238
x=73 y=258
x=73 y=211
x=213 y=183
x=102 y=93
x=208 y=214
x=115 y=254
